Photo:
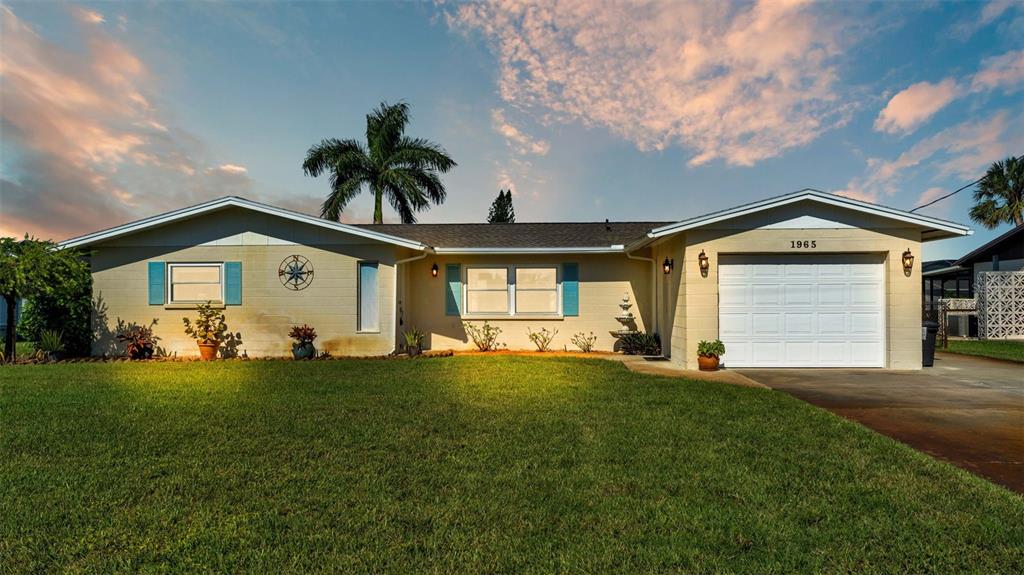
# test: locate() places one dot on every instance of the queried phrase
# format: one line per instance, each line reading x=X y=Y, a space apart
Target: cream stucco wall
x=696 y=307
x=261 y=243
x=603 y=279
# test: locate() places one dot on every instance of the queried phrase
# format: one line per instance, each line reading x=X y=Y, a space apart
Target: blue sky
x=113 y=111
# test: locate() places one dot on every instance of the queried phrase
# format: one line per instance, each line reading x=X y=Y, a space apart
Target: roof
x=1010 y=245
x=521 y=237
x=228 y=202
x=935 y=228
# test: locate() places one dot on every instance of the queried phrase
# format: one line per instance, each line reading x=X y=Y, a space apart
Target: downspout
x=394 y=299
x=654 y=286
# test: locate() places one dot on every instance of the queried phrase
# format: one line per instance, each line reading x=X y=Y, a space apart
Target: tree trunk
x=11 y=331
x=378 y=211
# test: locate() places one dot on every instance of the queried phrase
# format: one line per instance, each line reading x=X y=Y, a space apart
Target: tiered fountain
x=626 y=318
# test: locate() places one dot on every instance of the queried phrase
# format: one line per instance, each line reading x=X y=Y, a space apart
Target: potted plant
x=208 y=330
x=51 y=344
x=709 y=353
x=139 y=341
x=303 y=346
x=413 y=341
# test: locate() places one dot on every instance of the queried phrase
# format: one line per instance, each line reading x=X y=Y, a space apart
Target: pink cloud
x=1005 y=71
x=914 y=105
x=737 y=83
x=521 y=142
x=90 y=148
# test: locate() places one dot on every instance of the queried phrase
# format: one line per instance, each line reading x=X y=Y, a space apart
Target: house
x=955 y=279
x=799 y=280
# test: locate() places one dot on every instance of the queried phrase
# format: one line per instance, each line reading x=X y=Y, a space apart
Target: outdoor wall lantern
x=433 y=271
x=702 y=261
x=908 y=262
x=668 y=265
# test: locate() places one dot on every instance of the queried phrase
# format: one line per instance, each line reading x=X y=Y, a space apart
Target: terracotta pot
x=707 y=363
x=208 y=351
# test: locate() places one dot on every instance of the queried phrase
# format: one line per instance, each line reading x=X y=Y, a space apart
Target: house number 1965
x=803 y=244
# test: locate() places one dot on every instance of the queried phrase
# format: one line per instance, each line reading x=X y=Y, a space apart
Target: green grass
x=21 y=348
x=996 y=349
x=466 y=464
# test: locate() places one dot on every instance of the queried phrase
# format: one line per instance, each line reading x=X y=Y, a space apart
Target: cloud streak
x=88 y=146
x=522 y=143
x=735 y=83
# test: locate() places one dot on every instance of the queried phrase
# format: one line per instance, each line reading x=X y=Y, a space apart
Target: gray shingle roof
x=520 y=235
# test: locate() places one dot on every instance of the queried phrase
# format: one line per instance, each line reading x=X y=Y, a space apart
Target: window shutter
x=232 y=283
x=157 y=283
x=570 y=289
x=453 y=293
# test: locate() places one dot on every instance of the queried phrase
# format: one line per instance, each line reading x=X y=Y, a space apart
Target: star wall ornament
x=295 y=272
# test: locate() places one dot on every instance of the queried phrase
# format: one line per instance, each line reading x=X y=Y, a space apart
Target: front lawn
x=466 y=464
x=996 y=349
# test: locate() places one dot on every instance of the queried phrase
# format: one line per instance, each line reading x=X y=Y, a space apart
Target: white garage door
x=802 y=311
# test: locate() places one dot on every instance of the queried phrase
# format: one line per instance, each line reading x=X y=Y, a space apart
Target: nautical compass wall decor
x=296 y=273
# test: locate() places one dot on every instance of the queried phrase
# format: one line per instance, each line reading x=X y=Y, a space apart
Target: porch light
x=908 y=261
x=433 y=271
x=702 y=261
x=667 y=266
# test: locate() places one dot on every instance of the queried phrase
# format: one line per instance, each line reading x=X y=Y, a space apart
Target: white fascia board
x=616 y=249
x=941 y=271
x=825 y=198
x=232 y=201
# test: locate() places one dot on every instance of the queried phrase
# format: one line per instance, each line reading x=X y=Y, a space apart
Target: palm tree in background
x=405 y=170
x=1000 y=195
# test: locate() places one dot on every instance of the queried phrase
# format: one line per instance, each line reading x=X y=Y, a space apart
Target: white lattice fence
x=1000 y=297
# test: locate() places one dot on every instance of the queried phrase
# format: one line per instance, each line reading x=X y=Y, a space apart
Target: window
x=369 y=299
x=512 y=290
x=487 y=291
x=195 y=283
x=536 y=290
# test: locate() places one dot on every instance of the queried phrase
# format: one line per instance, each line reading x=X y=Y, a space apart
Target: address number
x=803 y=244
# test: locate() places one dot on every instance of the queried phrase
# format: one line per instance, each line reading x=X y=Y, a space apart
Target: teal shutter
x=157 y=283
x=232 y=283
x=453 y=293
x=570 y=289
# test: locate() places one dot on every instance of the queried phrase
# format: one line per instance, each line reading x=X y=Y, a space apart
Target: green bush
x=67 y=309
x=640 y=343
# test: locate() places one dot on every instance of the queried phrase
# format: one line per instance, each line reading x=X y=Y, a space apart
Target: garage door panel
x=802 y=311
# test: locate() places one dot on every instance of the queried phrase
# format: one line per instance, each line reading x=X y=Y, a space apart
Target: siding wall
x=603 y=281
x=268 y=309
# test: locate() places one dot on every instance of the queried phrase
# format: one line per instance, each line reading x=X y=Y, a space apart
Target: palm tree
x=391 y=164
x=1000 y=195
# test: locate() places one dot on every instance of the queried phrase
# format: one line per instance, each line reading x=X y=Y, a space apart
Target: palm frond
x=384 y=128
x=325 y=155
x=421 y=153
x=342 y=192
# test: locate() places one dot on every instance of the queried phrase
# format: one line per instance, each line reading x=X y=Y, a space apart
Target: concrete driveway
x=966 y=410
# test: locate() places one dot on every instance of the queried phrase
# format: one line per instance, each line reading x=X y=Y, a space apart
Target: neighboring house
x=800 y=280
x=955 y=279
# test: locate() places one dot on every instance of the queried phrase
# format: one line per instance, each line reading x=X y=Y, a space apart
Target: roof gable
x=935 y=228
x=234 y=202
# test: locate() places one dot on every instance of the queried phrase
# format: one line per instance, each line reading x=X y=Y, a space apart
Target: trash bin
x=929 y=330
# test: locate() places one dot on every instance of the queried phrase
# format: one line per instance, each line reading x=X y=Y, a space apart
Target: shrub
x=584 y=342
x=711 y=348
x=51 y=341
x=139 y=340
x=65 y=308
x=542 y=339
x=302 y=334
x=209 y=327
x=413 y=337
x=640 y=343
x=484 y=337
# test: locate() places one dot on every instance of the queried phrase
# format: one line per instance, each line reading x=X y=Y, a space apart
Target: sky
x=585 y=110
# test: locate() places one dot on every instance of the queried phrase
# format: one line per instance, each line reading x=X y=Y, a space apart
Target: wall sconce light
x=702 y=261
x=668 y=265
x=908 y=262
x=433 y=271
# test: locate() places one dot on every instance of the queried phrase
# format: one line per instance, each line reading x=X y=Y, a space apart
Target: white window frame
x=511 y=289
x=170 y=282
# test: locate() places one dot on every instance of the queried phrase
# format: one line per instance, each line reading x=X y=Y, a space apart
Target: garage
x=802 y=310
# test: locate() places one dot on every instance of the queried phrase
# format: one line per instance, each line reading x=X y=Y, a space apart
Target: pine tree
x=501 y=211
